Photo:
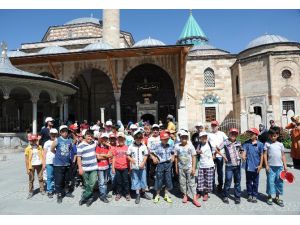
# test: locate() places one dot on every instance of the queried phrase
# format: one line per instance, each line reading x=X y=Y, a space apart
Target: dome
x=203 y=47
x=97 y=46
x=83 y=20
x=206 y=49
x=53 y=50
x=16 y=53
x=266 y=39
x=148 y=42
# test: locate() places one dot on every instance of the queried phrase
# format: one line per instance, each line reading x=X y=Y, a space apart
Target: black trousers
x=296 y=163
x=62 y=178
x=122 y=182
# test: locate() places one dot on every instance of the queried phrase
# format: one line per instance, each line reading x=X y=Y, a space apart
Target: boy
x=275 y=162
x=34 y=161
x=206 y=166
x=48 y=160
x=103 y=155
x=163 y=155
x=232 y=157
x=120 y=168
x=87 y=166
x=111 y=175
x=253 y=155
x=62 y=147
x=185 y=167
x=137 y=155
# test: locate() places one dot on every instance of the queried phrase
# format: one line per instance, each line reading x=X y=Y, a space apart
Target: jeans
x=235 y=172
x=274 y=182
x=164 y=176
x=102 y=182
x=122 y=182
x=219 y=162
x=39 y=172
x=90 y=179
x=62 y=177
x=252 y=181
x=111 y=177
x=50 y=178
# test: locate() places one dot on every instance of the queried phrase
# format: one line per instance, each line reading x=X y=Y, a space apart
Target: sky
x=230 y=30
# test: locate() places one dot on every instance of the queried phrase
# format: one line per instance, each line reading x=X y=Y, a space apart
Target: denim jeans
x=62 y=177
x=163 y=176
x=235 y=172
x=274 y=182
x=90 y=179
x=252 y=181
x=102 y=182
x=219 y=162
x=122 y=182
x=50 y=178
x=111 y=177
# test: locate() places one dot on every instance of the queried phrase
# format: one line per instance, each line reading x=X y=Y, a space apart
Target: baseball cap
x=184 y=133
x=199 y=124
x=138 y=131
x=121 y=134
x=234 y=130
x=112 y=135
x=108 y=123
x=53 y=131
x=104 y=135
x=133 y=127
x=155 y=126
x=32 y=137
x=48 y=119
x=215 y=123
x=203 y=134
x=63 y=127
x=164 y=135
x=170 y=117
x=73 y=127
x=254 y=130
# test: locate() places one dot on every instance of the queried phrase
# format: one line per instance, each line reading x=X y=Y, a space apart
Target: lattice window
x=210 y=114
x=288 y=105
x=209 y=78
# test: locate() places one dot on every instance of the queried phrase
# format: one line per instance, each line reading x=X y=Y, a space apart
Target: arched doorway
x=149 y=118
x=151 y=89
x=95 y=92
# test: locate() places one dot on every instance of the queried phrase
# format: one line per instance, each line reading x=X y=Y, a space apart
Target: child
x=34 y=161
x=206 y=166
x=111 y=175
x=62 y=147
x=253 y=154
x=137 y=155
x=120 y=168
x=48 y=160
x=103 y=155
x=275 y=162
x=87 y=166
x=185 y=167
x=232 y=157
x=163 y=155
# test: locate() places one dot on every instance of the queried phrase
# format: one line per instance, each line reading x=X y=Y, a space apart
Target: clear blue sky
x=227 y=29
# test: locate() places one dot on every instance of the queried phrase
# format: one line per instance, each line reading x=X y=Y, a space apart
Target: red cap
x=282 y=175
x=254 y=130
x=234 y=130
x=216 y=123
x=290 y=178
x=112 y=135
x=32 y=137
x=167 y=131
x=73 y=127
x=164 y=135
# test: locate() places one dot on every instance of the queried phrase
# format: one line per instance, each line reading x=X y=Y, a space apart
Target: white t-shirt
x=35 y=161
x=137 y=153
x=206 y=158
x=216 y=139
x=95 y=127
x=152 y=142
x=185 y=155
x=274 y=151
x=49 y=155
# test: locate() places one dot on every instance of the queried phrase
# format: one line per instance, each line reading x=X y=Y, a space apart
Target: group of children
x=152 y=157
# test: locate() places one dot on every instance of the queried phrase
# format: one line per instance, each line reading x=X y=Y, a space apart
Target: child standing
x=185 y=167
x=275 y=162
x=137 y=155
x=206 y=166
x=253 y=155
x=120 y=168
x=34 y=161
x=48 y=160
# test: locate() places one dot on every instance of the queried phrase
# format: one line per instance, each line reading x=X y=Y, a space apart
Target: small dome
x=16 y=53
x=97 y=46
x=53 y=50
x=148 y=42
x=83 y=20
x=206 y=49
x=266 y=39
x=202 y=47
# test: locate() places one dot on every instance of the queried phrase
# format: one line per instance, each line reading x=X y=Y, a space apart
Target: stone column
x=66 y=109
x=182 y=115
x=111 y=27
x=251 y=117
x=102 y=115
x=118 y=106
x=34 y=100
x=244 y=121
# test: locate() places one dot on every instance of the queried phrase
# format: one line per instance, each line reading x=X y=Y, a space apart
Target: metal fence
x=229 y=123
x=12 y=124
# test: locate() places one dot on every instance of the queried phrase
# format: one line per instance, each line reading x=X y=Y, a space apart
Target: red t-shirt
x=103 y=164
x=121 y=161
x=84 y=126
x=111 y=149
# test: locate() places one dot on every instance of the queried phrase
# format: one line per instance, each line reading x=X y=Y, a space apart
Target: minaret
x=111 y=27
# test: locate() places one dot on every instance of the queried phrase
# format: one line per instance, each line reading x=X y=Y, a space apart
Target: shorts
x=138 y=179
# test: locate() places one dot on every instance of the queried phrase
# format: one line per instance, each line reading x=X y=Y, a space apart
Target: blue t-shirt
x=253 y=152
x=63 y=152
x=164 y=153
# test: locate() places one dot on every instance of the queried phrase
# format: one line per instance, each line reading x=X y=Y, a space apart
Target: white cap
x=184 y=133
x=53 y=131
x=121 y=134
x=133 y=126
x=104 y=135
x=137 y=132
x=83 y=132
x=203 y=134
x=63 y=127
x=170 y=117
x=108 y=123
x=155 y=126
x=199 y=124
x=48 y=119
x=96 y=134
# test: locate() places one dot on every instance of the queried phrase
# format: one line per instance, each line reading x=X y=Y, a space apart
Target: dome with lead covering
x=267 y=39
x=97 y=46
x=83 y=20
x=149 y=42
x=16 y=53
x=53 y=50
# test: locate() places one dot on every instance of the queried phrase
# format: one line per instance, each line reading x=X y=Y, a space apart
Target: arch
x=47 y=74
x=209 y=77
x=149 y=118
x=289 y=91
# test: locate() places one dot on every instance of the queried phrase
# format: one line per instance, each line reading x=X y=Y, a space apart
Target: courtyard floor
x=14 y=190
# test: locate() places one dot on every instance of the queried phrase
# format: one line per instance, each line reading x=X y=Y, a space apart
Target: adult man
x=108 y=127
x=45 y=135
x=216 y=138
x=170 y=124
x=195 y=137
x=96 y=127
x=84 y=125
x=263 y=135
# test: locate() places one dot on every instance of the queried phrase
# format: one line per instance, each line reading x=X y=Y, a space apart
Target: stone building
x=121 y=79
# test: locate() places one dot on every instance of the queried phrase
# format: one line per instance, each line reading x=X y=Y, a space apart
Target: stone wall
x=12 y=142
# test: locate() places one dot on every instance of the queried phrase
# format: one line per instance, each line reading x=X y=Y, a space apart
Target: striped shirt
x=88 y=156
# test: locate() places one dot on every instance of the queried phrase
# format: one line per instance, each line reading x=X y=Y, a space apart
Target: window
x=257 y=110
x=286 y=74
x=237 y=84
x=209 y=78
x=210 y=114
x=288 y=105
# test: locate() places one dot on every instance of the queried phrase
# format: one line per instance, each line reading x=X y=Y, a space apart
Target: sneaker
x=250 y=199
x=108 y=196
x=59 y=199
x=69 y=195
x=118 y=196
x=89 y=202
x=205 y=197
x=254 y=200
x=219 y=188
x=185 y=199
x=270 y=201
x=104 y=199
x=167 y=199
x=225 y=200
x=237 y=200
x=278 y=202
x=30 y=195
x=196 y=203
x=144 y=195
x=138 y=199
x=50 y=195
x=82 y=201
x=156 y=199
x=128 y=198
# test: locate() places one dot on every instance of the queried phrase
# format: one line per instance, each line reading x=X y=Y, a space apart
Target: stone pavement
x=14 y=190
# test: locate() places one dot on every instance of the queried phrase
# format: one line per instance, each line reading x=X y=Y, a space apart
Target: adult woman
x=295 y=136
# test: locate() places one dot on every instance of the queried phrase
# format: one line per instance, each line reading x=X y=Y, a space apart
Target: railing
x=229 y=123
x=12 y=124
